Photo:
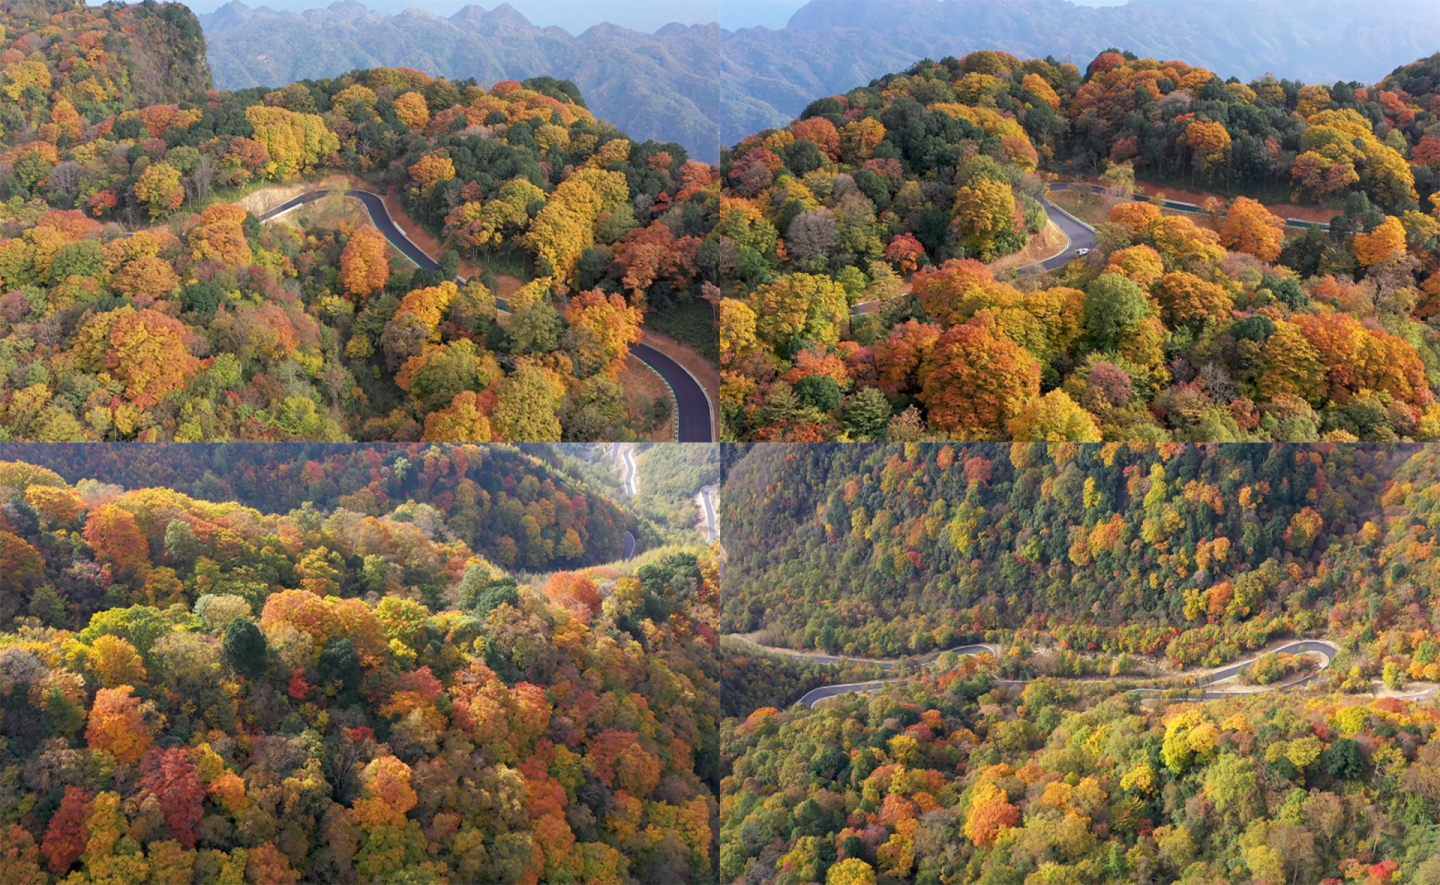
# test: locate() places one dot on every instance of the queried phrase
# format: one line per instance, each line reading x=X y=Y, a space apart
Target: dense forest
x=670 y=476
x=140 y=305
x=1087 y=563
x=1220 y=324
x=951 y=778
x=706 y=86
x=852 y=273
x=202 y=691
x=518 y=508
x=1186 y=554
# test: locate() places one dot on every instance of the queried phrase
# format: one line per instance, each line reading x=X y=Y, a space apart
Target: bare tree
x=64 y=181
x=201 y=180
x=812 y=234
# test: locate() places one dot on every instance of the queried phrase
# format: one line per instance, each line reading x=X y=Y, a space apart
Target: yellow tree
x=295 y=142
x=463 y=420
x=1292 y=367
x=148 y=355
x=412 y=110
x=800 y=306
x=116 y=662
x=851 y=871
x=430 y=170
x=1039 y=87
x=159 y=188
x=1142 y=265
x=21 y=75
x=601 y=331
x=1186 y=299
x=528 y=404
x=430 y=305
x=984 y=213
x=1054 y=417
x=220 y=236
x=67 y=119
x=1384 y=243
x=860 y=138
x=136 y=268
x=737 y=330
x=387 y=793
x=1209 y=145
x=565 y=228
x=990 y=815
x=117 y=725
x=1250 y=227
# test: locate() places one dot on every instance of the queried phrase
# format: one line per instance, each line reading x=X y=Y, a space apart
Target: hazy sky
x=577 y=15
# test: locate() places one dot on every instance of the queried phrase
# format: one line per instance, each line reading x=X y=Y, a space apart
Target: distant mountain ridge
x=705 y=87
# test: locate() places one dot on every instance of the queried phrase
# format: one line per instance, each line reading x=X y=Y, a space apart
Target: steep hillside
x=204 y=323
x=951 y=779
x=107 y=59
x=202 y=691
x=1176 y=324
x=704 y=87
x=514 y=508
x=1192 y=551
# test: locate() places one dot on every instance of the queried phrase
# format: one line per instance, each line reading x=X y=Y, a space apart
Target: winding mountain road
x=693 y=422
x=707 y=507
x=632 y=471
x=1178 y=205
x=1324 y=649
x=816 y=695
x=1082 y=236
x=625 y=452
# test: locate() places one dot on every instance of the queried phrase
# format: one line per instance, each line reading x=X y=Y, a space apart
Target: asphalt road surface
x=1325 y=649
x=1307 y=646
x=815 y=695
x=375 y=205
x=694 y=407
x=632 y=471
x=1178 y=205
x=707 y=502
x=629 y=545
x=1082 y=235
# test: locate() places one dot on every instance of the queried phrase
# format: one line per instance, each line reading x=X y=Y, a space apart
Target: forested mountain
x=1213 y=323
x=202 y=691
x=195 y=322
x=1192 y=552
x=123 y=57
x=665 y=85
x=705 y=87
x=948 y=779
x=517 y=509
x=858 y=269
x=1084 y=560
x=670 y=477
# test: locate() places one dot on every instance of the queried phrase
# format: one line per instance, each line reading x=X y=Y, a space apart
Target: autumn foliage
x=397 y=705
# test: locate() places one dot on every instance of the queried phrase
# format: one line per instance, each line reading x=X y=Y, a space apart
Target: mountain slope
x=705 y=87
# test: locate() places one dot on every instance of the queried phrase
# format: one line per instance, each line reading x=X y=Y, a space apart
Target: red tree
x=172 y=778
x=65 y=837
